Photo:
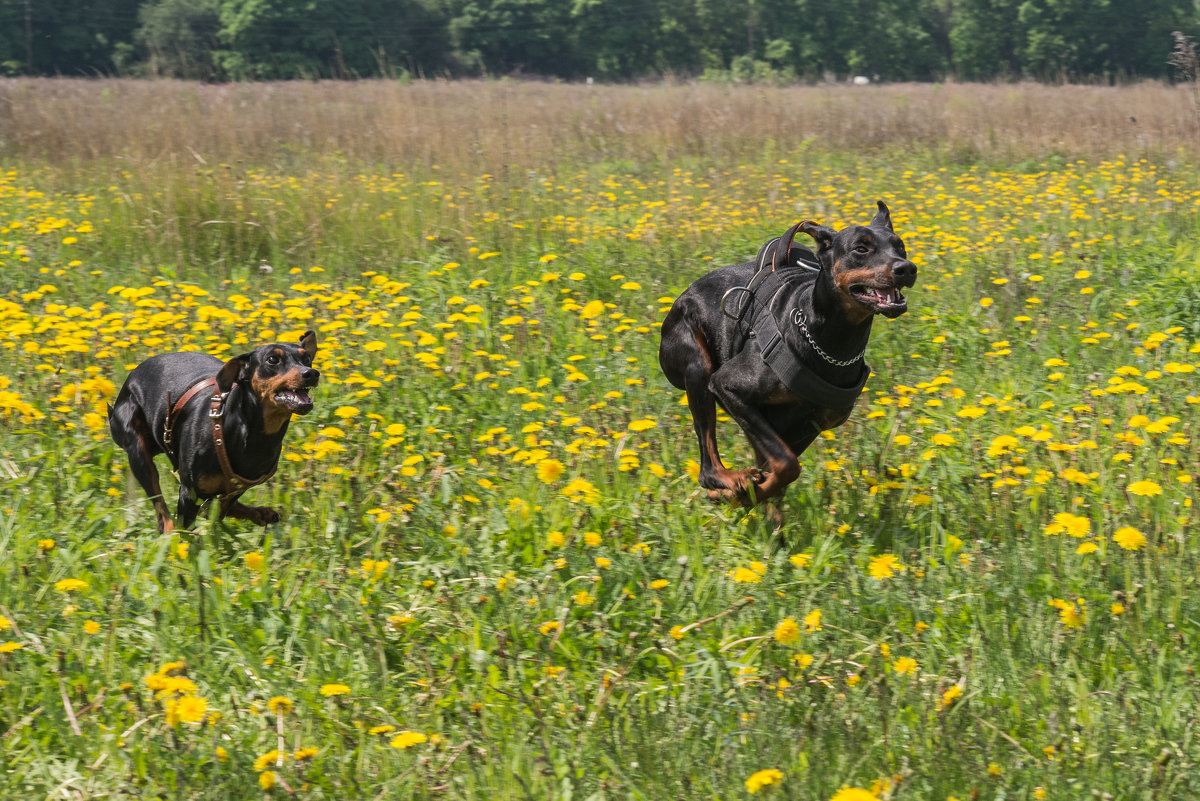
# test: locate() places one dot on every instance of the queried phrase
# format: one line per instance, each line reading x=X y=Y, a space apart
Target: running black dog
x=216 y=421
x=779 y=342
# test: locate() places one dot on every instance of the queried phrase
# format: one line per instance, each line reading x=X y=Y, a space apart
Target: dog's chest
x=793 y=417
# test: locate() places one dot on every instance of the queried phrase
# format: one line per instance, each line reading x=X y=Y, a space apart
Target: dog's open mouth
x=889 y=301
x=297 y=400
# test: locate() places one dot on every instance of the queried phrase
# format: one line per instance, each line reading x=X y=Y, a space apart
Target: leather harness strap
x=782 y=360
x=173 y=411
x=234 y=484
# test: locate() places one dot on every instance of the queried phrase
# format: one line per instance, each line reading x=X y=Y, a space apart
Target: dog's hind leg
x=132 y=432
x=742 y=387
x=687 y=363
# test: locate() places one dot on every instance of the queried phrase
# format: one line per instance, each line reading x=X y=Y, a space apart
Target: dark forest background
x=609 y=40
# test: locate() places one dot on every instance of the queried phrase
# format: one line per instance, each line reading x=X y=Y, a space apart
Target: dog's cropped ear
x=308 y=344
x=236 y=369
x=822 y=235
x=883 y=217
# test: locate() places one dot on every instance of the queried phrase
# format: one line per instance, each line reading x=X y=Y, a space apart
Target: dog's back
x=144 y=393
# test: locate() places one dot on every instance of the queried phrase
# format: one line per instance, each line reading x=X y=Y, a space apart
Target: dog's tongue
x=890 y=296
x=294 y=399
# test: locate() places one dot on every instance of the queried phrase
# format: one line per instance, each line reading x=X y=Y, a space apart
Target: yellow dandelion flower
x=279 y=705
x=549 y=470
x=330 y=690
x=592 y=309
x=1067 y=523
x=905 y=665
x=1071 y=615
x=950 y=696
x=1129 y=538
x=744 y=575
x=854 y=794
x=407 y=739
x=191 y=709
x=787 y=631
x=800 y=559
x=1145 y=488
x=272 y=757
x=763 y=778
x=266 y=779
x=884 y=566
x=70 y=585
x=812 y=621
x=642 y=425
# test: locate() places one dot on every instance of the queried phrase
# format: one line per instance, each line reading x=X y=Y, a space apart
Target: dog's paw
x=726 y=496
x=264 y=515
x=259 y=515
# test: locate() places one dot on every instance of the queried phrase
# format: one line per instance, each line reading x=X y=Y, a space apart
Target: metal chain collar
x=802 y=324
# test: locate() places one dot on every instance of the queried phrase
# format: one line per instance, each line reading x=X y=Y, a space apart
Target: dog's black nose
x=904 y=271
x=311 y=376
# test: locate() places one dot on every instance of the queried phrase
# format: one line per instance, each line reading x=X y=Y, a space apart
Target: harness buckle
x=217 y=409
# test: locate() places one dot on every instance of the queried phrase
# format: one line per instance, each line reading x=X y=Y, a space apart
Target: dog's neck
x=844 y=336
x=252 y=451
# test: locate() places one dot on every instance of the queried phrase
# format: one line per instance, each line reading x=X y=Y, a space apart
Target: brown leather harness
x=234 y=484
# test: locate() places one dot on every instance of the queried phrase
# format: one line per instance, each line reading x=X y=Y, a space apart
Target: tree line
x=609 y=40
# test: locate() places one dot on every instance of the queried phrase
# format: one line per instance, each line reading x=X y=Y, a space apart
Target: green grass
x=642 y=690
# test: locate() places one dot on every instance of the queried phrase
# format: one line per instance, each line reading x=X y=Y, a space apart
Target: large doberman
x=217 y=422
x=779 y=343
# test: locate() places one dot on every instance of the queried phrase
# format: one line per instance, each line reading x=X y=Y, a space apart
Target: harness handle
x=784 y=244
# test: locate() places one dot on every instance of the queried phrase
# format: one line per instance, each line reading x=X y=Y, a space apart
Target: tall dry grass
x=497 y=126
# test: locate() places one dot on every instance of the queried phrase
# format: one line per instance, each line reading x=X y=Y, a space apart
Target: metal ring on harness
x=725 y=297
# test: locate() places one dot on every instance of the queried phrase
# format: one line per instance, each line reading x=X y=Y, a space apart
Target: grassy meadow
x=496 y=577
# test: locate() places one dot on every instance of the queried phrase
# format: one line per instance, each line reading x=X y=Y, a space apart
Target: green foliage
x=617 y=40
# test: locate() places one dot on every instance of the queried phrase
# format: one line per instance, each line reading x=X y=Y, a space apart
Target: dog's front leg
x=259 y=515
x=742 y=386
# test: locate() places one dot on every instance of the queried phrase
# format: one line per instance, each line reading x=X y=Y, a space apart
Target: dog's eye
x=862 y=249
x=273 y=359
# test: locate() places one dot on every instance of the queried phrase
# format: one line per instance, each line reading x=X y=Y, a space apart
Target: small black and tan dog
x=217 y=422
x=779 y=343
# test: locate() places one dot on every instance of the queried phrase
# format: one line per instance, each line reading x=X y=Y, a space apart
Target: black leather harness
x=796 y=268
